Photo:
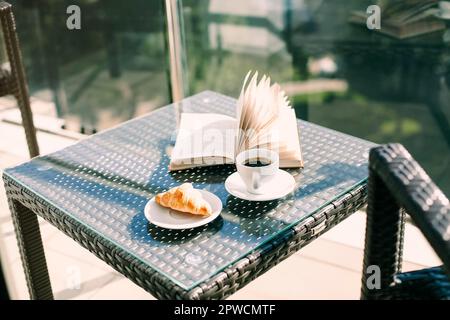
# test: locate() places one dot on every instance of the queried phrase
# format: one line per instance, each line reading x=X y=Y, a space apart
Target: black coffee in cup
x=257 y=162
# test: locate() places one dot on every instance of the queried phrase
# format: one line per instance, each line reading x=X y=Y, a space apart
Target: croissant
x=184 y=198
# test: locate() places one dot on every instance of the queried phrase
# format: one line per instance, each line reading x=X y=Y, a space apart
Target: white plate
x=172 y=219
x=281 y=185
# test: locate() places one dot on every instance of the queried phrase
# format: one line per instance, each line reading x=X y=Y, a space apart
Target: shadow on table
x=209 y=174
x=336 y=175
x=146 y=232
x=253 y=217
x=264 y=218
x=249 y=209
x=159 y=180
x=256 y=218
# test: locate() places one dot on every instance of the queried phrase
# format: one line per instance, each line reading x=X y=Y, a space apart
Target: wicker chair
x=14 y=82
x=397 y=184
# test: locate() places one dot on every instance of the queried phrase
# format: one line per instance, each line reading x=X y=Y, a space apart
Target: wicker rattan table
x=95 y=192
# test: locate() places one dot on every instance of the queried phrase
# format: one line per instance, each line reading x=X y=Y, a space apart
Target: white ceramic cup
x=255 y=177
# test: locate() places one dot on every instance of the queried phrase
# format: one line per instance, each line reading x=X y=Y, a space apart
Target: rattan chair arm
x=413 y=190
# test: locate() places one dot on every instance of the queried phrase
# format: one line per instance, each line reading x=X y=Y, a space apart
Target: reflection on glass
x=337 y=73
x=111 y=70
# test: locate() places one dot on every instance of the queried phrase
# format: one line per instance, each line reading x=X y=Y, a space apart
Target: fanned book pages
x=264 y=120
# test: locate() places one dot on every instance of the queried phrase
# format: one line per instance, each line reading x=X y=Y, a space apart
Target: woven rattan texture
x=425 y=284
x=219 y=286
x=397 y=184
x=105 y=181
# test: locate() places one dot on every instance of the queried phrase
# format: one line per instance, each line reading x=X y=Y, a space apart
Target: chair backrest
x=397 y=184
x=14 y=81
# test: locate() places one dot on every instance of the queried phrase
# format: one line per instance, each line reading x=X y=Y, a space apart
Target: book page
x=290 y=152
x=283 y=138
x=204 y=139
x=266 y=120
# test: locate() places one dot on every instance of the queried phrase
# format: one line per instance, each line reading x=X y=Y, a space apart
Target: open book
x=264 y=120
x=404 y=19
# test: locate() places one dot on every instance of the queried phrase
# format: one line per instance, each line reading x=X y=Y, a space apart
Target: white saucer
x=172 y=219
x=281 y=185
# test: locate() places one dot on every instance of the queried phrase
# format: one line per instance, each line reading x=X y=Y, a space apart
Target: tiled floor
x=329 y=268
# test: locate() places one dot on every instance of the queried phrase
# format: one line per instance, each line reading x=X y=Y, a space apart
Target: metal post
x=175 y=50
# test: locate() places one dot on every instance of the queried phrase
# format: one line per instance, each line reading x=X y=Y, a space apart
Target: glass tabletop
x=105 y=181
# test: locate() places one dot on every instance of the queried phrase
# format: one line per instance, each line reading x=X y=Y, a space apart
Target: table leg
x=31 y=250
x=4 y=295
